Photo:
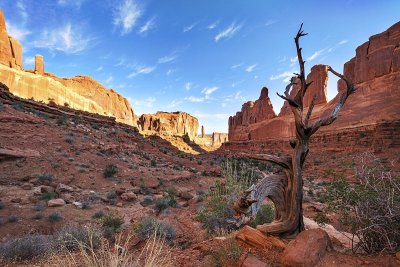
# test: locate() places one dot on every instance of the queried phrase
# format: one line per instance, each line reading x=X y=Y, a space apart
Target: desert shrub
x=86 y=205
x=12 y=218
x=113 y=220
x=147 y=200
x=26 y=248
x=98 y=214
x=46 y=177
x=62 y=120
x=1 y=106
x=70 y=138
x=371 y=207
x=38 y=206
x=19 y=106
x=266 y=214
x=48 y=196
x=2 y=205
x=167 y=201
x=321 y=219
x=150 y=225
x=111 y=195
x=72 y=236
x=217 y=209
x=37 y=216
x=110 y=170
x=153 y=163
x=227 y=254
x=54 y=217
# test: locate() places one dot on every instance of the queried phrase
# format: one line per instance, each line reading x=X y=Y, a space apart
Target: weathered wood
x=255 y=238
x=287 y=191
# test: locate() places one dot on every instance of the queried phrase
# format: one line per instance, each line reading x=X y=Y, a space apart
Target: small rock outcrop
x=39 y=64
x=169 y=123
x=10 y=48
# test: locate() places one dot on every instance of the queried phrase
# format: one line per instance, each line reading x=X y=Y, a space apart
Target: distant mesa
x=375 y=70
x=79 y=92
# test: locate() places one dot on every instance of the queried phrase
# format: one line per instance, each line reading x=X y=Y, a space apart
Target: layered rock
x=375 y=71
x=80 y=92
x=169 y=123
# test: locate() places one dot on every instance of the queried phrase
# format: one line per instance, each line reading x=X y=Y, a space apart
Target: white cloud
x=270 y=22
x=169 y=72
x=190 y=27
x=148 y=102
x=30 y=61
x=150 y=24
x=213 y=25
x=18 y=33
x=126 y=15
x=251 y=68
x=68 y=39
x=209 y=90
x=343 y=42
x=195 y=99
x=316 y=54
x=22 y=10
x=228 y=32
x=174 y=104
x=188 y=85
x=285 y=76
x=109 y=79
x=167 y=59
x=293 y=61
x=283 y=59
x=75 y=3
x=237 y=66
x=142 y=70
x=99 y=68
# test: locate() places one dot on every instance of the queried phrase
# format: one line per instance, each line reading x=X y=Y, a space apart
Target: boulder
x=58 y=202
x=46 y=189
x=77 y=204
x=128 y=196
x=252 y=261
x=64 y=188
x=186 y=195
x=307 y=249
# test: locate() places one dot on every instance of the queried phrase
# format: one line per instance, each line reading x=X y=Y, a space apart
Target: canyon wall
x=169 y=123
x=375 y=71
x=80 y=92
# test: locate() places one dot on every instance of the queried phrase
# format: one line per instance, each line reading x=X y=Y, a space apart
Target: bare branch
x=287 y=97
x=310 y=109
x=284 y=162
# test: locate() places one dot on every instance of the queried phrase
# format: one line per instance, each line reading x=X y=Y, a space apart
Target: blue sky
x=203 y=57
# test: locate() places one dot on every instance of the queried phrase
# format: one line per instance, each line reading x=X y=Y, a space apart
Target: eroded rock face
x=80 y=92
x=375 y=71
x=169 y=123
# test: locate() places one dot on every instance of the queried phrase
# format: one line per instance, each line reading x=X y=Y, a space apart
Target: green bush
x=98 y=214
x=110 y=171
x=112 y=220
x=266 y=214
x=26 y=248
x=62 y=120
x=55 y=217
x=48 y=196
x=228 y=253
x=167 y=201
x=12 y=218
x=46 y=177
x=149 y=225
x=371 y=207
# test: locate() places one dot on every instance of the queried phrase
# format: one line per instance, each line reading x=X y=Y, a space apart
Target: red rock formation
x=375 y=70
x=169 y=123
x=80 y=92
x=39 y=64
x=252 y=112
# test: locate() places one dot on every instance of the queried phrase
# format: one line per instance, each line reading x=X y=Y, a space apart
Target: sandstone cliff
x=375 y=70
x=80 y=92
x=169 y=123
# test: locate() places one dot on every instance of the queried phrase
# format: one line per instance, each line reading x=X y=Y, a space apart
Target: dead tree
x=286 y=190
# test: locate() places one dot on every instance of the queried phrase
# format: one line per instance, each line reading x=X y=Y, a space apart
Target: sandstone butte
x=79 y=92
x=375 y=70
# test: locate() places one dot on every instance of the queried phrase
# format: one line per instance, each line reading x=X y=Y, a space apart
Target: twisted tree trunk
x=286 y=191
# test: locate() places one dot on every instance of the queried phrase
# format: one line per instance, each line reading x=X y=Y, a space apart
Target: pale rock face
x=39 y=64
x=6 y=56
x=375 y=71
x=169 y=123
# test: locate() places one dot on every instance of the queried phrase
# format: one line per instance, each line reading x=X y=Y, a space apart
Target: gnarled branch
x=284 y=162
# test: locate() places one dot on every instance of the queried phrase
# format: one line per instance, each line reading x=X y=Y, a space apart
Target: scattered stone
x=136 y=190
x=186 y=195
x=69 y=198
x=77 y=204
x=37 y=191
x=16 y=200
x=129 y=196
x=58 y=202
x=252 y=261
x=307 y=249
x=27 y=186
x=46 y=189
x=64 y=188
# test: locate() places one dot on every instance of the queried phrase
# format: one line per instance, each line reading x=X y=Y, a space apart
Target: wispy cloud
x=228 y=32
x=343 y=42
x=29 y=61
x=22 y=11
x=207 y=91
x=99 y=68
x=18 y=33
x=126 y=15
x=142 y=70
x=270 y=22
x=74 y=3
x=195 y=99
x=69 y=39
x=108 y=80
x=293 y=61
x=316 y=54
x=167 y=59
x=237 y=66
x=213 y=25
x=285 y=76
x=150 y=24
x=148 y=102
x=169 y=72
x=174 y=104
x=190 y=27
x=251 y=68
x=188 y=86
